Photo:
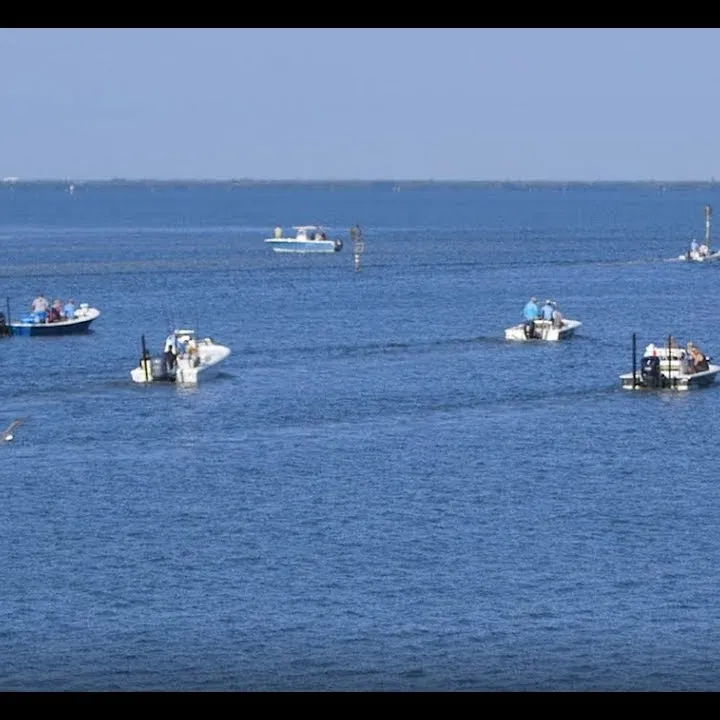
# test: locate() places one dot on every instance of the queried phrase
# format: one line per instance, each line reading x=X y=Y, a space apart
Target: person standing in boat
x=546 y=311
x=170 y=354
x=192 y=352
x=40 y=306
x=531 y=311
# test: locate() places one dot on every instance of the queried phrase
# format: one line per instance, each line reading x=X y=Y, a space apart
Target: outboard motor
x=530 y=329
x=4 y=327
x=158 y=368
x=650 y=371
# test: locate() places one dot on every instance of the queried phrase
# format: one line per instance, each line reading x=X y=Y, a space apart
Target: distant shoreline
x=246 y=182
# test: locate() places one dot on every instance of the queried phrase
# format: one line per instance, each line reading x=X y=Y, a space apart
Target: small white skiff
x=543 y=330
x=184 y=359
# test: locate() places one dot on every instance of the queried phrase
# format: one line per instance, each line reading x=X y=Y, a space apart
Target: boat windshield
x=307 y=231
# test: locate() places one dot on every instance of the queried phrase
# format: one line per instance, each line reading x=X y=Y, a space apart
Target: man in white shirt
x=40 y=304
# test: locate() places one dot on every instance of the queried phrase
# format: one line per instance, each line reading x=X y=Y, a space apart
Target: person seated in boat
x=698 y=362
x=546 y=311
x=69 y=309
x=703 y=250
x=278 y=232
x=53 y=315
x=686 y=362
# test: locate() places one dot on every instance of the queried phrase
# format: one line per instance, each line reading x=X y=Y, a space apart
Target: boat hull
x=544 y=330
x=673 y=381
x=290 y=245
x=697 y=257
x=76 y=326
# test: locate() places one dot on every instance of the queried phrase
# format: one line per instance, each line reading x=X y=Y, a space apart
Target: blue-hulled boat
x=36 y=324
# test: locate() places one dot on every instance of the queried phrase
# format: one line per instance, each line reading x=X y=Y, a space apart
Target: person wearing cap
x=531 y=311
x=546 y=311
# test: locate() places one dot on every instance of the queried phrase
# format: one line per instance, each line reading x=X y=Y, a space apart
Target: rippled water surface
x=378 y=492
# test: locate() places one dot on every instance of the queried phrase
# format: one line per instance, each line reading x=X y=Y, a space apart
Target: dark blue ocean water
x=379 y=492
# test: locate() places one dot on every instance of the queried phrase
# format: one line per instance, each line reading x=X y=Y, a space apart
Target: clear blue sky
x=442 y=104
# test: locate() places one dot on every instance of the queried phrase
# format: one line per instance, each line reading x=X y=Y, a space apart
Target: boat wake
x=288 y=355
x=396 y=408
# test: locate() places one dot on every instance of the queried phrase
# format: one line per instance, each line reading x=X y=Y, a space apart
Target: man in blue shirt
x=531 y=311
x=546 y=311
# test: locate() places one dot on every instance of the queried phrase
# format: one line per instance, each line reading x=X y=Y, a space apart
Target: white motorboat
x=184 y=358
x=308 y=238
x=702 y=252
x=543 y=330
x=669 y=367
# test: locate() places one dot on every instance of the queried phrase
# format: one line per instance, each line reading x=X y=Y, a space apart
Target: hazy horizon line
x=14 y=180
